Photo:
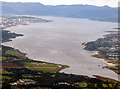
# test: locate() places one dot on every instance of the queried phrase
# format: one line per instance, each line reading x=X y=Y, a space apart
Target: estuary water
x=61 y=41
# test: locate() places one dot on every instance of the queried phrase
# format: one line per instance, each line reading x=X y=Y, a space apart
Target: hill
x=104 y=13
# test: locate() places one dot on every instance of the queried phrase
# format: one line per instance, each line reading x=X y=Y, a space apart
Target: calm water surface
x=61 y=41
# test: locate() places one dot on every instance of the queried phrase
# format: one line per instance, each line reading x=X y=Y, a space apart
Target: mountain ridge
x=104 y=13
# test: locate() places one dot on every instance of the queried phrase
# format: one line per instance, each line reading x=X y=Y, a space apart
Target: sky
x=111 y=3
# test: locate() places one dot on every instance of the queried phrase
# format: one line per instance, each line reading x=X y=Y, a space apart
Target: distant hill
x=104 y=13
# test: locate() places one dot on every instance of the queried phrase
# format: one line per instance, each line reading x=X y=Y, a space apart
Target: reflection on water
x=61 y=41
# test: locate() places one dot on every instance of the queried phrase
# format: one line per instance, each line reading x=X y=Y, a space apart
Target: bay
x=61 y=41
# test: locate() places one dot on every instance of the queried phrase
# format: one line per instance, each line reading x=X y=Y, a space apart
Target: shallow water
x=61 y=41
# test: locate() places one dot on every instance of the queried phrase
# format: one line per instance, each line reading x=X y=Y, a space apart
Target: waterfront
x=61 y=41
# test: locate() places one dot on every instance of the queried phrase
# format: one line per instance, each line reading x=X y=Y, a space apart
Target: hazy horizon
x=111 y=3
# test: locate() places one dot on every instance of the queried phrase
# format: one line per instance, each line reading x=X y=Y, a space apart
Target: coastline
x=68 y=64
x=102 y=52
x=20 y=35
x=96 y=54
x=109 y=64
x=25 y=68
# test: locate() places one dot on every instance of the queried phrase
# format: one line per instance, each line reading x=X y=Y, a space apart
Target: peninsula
x=21 y=72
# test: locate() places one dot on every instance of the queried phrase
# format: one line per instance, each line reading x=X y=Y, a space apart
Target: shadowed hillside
x=104 y=13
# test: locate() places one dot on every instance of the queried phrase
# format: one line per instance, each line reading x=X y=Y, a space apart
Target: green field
x=6 y=72
x=12 y=53
x=46 y=67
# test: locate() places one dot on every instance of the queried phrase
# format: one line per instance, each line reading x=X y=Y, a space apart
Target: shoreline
x=56 y=70
x=109 y=64
x=102 y=52
x=19 y=35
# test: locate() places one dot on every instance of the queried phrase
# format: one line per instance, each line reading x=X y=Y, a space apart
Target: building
x=24 y=82
x=112 y=56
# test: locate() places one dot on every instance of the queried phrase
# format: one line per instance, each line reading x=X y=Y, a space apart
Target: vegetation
x=12 y=53
x=6 y=35
x=104 y=46
x=46 y=74
x=17 y=66
x=13 y=58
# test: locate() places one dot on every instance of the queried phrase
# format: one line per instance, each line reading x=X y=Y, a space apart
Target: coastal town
x=108 y=49
x=8 y=21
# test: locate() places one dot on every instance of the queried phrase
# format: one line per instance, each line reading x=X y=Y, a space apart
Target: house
x=113 y=56
x=62 y=83
x=112 y=49
x=24 y=82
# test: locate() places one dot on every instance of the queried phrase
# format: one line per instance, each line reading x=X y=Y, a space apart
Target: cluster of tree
x=47 y=80
x=6 y=35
